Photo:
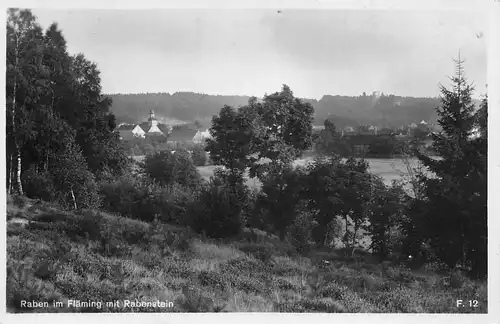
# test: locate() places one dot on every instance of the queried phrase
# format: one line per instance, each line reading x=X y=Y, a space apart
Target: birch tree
x=24 y=60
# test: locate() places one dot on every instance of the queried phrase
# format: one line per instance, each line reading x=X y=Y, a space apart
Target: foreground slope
x=96 y=257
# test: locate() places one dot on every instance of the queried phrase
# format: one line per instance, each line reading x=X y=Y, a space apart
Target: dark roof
x=126 y=127
x=145 y=126
x=164 y=128
x=180 y=134
x=126 y=135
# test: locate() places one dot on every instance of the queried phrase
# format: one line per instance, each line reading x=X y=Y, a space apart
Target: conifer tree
x=454 y=215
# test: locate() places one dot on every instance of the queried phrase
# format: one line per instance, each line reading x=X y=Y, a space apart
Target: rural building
x=129 y=132
x=182 y=134
x=153 y=125
x=200 y=137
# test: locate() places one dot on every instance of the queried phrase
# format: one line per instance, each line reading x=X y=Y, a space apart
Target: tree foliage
x=199 y=156
x=168 y=168
x=276 y=130
x=335 y=188
x=280 y=196
x=386 y=214
x=55 y=108
x=218 y=210
x=455 y=210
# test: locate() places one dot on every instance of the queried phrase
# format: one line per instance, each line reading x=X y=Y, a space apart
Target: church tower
x=152 y=119
x=153 y=124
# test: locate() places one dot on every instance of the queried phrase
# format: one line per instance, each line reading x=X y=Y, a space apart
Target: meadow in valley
x=388 y=169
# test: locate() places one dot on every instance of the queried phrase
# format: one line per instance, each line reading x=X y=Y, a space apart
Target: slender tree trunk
x=9 y=174
x=18 y=171
x=346 y=231
x=74 y=199
x=17 y=154
x=282 y=234
x=353 y=244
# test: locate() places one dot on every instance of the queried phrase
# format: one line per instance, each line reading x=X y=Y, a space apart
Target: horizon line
x=260 y=97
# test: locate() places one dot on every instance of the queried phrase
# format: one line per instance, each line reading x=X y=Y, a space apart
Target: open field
x=97 y=257
x=388 y=169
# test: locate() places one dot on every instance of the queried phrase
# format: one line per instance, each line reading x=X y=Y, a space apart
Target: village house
x=182 y=134
x=200 y=137
x=129 y=132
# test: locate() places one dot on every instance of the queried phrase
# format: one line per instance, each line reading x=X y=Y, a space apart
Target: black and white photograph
x=247 y=160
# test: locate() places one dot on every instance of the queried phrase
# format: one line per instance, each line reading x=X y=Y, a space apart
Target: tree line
x=384 y=110
x=388 y=143
x=59 y=127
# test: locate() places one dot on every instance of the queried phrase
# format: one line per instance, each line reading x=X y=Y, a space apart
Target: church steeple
x=152 y=119
x=151 y=115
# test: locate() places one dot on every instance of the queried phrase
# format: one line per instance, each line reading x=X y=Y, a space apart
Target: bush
x=217 y=211
x=38 y=185
x=301 y=232
x=141 y=199
x=168 y=168
x=252 y=218
x=67 y=178
x=73 y=181
x=174 y=202
x=199 y=156
x=280 y=196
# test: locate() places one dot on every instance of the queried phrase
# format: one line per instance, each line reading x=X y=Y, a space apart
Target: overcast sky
x=251 y=52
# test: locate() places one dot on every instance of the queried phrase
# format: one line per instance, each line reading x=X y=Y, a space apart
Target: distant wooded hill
x=383 y=111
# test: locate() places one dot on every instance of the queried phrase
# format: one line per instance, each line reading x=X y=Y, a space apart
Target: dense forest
x=86 y=223
x=383 y=110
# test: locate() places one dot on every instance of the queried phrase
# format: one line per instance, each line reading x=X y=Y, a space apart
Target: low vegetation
x=100 y=257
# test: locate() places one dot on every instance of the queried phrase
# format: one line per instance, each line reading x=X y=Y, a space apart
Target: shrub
x=73 y=181
x=219 y=205
x=174 y=202
x=280 y=196
x=199 y=156
x=88 y=224
x=144 y=200
x=38 y=185
x=300 y=232
x=168 y=168
x=70 y=177
x=252 y=218
x=216 y=212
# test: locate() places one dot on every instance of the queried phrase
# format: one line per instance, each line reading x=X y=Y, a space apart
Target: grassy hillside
x=96 y=257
